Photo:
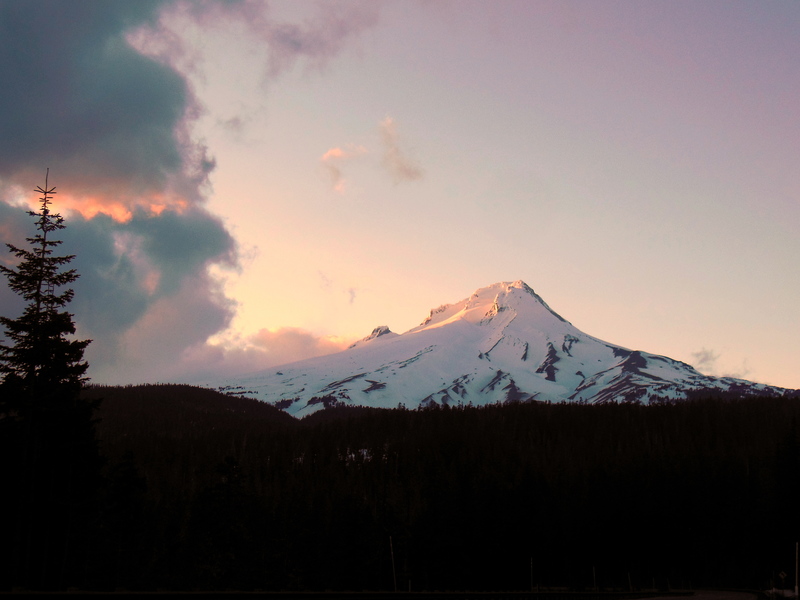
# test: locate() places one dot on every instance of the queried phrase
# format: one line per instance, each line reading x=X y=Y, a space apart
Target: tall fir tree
x=48 y=449
x=42 y=359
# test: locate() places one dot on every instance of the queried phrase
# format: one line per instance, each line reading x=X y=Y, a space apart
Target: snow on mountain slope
x=501 y=344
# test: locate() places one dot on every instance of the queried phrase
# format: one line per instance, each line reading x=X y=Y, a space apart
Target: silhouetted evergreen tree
x=50 y=458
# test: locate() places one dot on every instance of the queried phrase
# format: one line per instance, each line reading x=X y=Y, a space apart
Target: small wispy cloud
x=400 y=167
x=320 y=37
x=329 y=285
x=740 y=372
x=332 y=161
x=394 y=159
x=705 y=360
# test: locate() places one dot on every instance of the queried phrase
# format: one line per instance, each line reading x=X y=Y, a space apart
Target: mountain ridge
x=503 y=343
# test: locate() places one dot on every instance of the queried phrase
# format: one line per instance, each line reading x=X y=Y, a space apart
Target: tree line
x=214 y=492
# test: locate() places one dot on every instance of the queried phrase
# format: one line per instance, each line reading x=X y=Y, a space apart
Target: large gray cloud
x=144 y=293
x=150 y=263
x=114 y=127
x=76 y=95
x=126 y=267
x=13 y=223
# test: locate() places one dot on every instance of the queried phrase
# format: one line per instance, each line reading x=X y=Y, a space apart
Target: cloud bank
x=113 y=125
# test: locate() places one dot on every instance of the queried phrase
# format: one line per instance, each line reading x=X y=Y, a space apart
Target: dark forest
x=202 y=491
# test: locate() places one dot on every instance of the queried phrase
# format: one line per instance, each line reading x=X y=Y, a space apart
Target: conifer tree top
x=41 y=353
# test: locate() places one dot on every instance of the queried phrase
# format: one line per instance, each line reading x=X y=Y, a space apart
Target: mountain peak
x=503 y=343
x=488 y=297
x=528 y=290
x=487 y=302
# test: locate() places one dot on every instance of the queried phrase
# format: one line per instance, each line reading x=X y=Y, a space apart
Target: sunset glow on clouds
x=332 y=161
x=248 y=183
x=394 y=160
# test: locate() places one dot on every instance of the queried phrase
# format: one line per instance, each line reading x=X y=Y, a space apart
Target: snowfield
x=503 y=343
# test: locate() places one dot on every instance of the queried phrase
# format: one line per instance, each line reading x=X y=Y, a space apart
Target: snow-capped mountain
x=503 y=343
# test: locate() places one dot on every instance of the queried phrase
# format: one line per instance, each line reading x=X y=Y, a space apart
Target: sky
x=249 y=183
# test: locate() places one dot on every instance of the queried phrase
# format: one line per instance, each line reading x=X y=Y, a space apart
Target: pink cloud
x=264 y=349
x=332 y=160
x=289 y=344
